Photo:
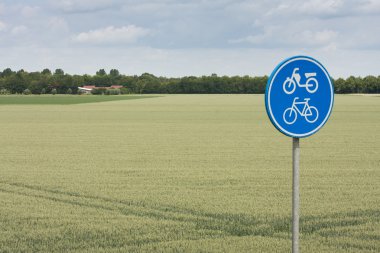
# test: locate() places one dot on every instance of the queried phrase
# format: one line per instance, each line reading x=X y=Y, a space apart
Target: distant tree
x=42 y=82
x=114 y=72
x=66 y=81
x=87 y=79
x=101 y=72
x=114 y=77
x=125 y=91
x=78 y=80
x=7 y=72
x=148 y=83
x=59 y=72
x=351 y=84
x=370 y=84
x=54 y=91
x=69 y=91
x=98 y=91
x=26 y=92
x=16 y=83
x=101 y=80
x=35 y=87
x=112 y=92
x=339 y=86
x=4 y=91
x=140 y=86
x=46 y=72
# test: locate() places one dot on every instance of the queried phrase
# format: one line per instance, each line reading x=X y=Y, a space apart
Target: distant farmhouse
x=87 y=89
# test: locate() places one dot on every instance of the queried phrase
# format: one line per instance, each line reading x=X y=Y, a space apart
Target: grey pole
x=296 y=195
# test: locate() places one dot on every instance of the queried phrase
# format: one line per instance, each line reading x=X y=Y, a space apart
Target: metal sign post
x=296 y=195
x=299 y=98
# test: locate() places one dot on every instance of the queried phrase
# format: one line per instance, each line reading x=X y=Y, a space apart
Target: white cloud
x=3 y=26
x=370 y=6
x=111 y=34
x=267 y=34
x=308 y=38
x=137 y=60
x=277 y=37
x=58 y=24
x=82 y=5
x=191 y=37
x=18 y=30
x=319 y=6
x=29 y=11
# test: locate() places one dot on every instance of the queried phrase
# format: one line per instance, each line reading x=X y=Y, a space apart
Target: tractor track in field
x=209 y=221
x=228 y=224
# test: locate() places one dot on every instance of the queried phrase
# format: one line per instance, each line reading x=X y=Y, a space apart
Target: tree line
x=59 y=82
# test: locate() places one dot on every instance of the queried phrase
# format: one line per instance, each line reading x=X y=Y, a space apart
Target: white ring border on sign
x=272 y=78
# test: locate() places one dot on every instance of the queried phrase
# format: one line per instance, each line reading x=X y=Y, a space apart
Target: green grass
x=185 y=173
x=62 y=99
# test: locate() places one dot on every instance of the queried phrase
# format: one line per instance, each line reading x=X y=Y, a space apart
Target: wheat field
x=185 y=173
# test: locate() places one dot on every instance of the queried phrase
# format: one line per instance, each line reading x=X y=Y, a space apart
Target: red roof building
x=88 y=88
x=116 y=86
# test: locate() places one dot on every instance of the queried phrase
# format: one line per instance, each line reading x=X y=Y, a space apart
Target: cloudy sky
x=192 y=37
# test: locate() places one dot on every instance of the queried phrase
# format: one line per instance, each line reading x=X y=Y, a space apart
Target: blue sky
x=199 y=37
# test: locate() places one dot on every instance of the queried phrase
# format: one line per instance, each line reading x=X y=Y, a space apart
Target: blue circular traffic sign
x=299 y=96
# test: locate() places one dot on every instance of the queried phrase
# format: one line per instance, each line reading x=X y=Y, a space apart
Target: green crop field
x=61 y=99
x=184 y=173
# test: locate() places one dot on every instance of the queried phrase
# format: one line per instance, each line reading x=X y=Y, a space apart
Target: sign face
x=299 y=96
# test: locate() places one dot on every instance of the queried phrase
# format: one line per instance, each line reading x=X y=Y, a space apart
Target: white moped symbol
x=290 y=83
x=309 y=112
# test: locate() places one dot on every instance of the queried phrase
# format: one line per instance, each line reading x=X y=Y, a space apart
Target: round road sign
x=299 y=96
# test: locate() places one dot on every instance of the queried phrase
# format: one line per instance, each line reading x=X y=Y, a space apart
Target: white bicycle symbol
x=290 y=83
x=309 y=112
